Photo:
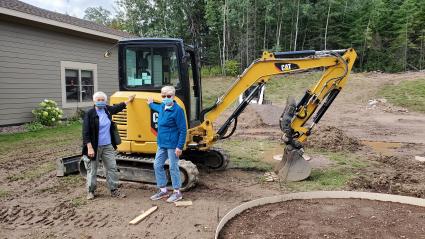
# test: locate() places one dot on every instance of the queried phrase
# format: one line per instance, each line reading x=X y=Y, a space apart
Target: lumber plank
x=143 y=215
x=183 y=203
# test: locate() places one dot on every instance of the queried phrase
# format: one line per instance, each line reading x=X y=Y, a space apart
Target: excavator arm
x=294 y=121
x=337 y=66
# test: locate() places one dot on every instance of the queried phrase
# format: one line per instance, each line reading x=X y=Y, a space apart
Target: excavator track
x=214 y=159
x=136 y=168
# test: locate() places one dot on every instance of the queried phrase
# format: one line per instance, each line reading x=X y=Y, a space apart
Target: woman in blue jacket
x=171 y=139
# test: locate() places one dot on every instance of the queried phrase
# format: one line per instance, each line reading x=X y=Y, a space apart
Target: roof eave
x=38 y=19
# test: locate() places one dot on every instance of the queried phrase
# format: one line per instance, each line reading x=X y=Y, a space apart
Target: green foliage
x=211 y=71
x=77 y=116
x=98 y=15
x=33 y=126
x=231 y=68
x=48 y=113
x=387 y=35
x=408 y=94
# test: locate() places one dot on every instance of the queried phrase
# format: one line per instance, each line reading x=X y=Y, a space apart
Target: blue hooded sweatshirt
x=171 y=126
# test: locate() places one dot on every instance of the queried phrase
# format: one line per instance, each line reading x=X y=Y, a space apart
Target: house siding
x=30 y=68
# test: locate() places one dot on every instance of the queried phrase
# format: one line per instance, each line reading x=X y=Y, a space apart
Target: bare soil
x=328 y=218
x=40 y=205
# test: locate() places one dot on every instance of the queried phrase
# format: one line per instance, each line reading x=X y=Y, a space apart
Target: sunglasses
x=168 y=96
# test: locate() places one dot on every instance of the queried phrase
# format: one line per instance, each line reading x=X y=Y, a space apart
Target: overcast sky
x=73 y=8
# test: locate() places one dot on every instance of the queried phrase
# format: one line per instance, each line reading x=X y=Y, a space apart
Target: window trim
x=77 y=66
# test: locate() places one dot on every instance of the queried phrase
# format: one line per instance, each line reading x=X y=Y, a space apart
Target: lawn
x=408 y=94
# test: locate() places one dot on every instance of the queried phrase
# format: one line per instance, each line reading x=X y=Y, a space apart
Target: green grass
x=3 y=193
x=279 y=88
x=408 y=94
x=248 y=154
x=78 y=201
x=214 y=87
x=34 y=172
x=334 y=177
x=48 y=137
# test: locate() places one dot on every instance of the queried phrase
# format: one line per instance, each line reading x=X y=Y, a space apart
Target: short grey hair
x=169 y=89
x=100 y=94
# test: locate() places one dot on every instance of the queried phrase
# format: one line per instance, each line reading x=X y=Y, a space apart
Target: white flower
x=53 y=119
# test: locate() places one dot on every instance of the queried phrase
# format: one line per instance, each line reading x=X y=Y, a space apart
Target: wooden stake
x=183 y=203
x=142 y=216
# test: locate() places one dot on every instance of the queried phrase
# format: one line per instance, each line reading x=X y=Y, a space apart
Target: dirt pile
x=333 y=139
x=394 y=175
x=328 y=218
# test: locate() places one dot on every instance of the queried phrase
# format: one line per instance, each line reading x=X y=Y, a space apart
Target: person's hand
x=90 y=151
x=130 y=99
x=178 y=152
x=150 y=100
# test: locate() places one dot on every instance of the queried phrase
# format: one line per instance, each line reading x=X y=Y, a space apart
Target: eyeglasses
x=168 y=96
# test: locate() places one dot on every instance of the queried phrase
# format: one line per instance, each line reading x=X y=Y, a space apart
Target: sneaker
x=159 y=195
x=90 y=196
x=117 y=194
x=175 y=197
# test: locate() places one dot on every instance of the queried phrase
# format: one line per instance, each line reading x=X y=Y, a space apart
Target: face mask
x=167 y=101
x=100 y=104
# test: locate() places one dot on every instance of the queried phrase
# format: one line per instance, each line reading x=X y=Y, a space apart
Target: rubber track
x=187 y=168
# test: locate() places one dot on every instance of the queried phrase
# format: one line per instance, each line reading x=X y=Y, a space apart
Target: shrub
x=232 y=68
x=33 y=126
x=48 y=113
x=77 y=116
x=208 y=71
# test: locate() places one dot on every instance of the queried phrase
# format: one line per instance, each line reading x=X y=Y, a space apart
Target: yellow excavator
x=146 y=65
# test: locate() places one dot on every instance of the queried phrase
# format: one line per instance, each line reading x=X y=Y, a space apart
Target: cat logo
x=286 y=66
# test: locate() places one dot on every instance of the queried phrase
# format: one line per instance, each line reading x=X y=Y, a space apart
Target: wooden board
x=143 y=215
x=183 y=203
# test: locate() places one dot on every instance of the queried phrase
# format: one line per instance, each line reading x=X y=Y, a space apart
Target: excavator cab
x=145 y=66
x=148 y=64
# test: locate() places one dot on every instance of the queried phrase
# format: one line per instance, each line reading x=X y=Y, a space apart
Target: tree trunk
x=405 y=46
x=327 y=23
x=224 y=38
x=296 y=26
x=364 y=44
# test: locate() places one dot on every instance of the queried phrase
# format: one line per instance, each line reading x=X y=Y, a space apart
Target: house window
x=79 y=82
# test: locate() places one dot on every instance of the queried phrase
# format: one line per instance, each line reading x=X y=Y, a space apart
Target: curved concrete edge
x=318 y=195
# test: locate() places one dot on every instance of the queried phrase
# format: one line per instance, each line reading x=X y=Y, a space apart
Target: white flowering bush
x=48 y=113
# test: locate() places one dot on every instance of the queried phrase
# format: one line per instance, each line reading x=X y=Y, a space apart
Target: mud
x=330 y=218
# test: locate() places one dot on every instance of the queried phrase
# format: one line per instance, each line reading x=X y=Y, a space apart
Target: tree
x=99 y=15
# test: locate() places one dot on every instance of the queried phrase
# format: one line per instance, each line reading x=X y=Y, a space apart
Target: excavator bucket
x=293 y=166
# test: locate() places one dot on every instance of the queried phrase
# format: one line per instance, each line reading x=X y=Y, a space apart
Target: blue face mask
x=167 y=101
x=100 y=104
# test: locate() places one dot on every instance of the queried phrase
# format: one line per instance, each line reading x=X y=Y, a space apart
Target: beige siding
x=30 y=68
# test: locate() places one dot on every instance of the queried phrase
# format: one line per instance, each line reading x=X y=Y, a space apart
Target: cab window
x=151 y=67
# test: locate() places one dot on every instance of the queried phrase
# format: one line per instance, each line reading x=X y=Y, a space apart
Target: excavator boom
x=336 y=67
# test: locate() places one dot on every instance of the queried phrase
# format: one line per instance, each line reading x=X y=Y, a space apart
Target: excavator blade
x=293 y=166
